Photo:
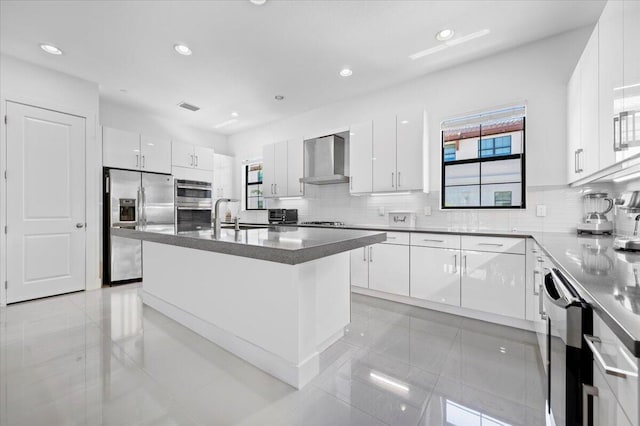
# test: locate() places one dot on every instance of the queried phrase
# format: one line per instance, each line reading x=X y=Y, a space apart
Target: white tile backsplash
x=333 y=202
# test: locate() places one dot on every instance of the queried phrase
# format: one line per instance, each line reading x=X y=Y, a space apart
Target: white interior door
x=45 y=202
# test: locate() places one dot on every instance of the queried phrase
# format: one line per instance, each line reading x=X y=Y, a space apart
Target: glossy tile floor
x=101 y=357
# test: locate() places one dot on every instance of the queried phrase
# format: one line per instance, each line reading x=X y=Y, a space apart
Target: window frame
x=248 y=184
x=480 y=160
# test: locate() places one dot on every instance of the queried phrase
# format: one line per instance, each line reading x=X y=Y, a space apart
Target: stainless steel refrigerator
x=132 y=199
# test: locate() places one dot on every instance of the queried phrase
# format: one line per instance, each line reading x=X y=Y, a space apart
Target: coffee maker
x=596 y=205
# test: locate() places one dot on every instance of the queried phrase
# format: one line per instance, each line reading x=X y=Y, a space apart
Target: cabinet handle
x=370 y=253
x=392 y=181
x=613 y=371
x=143 y=161
x=399 y=180
x=137 y=161
x=432 y=241
x=587 y=391
x=617 y=134
x=541 y=312
x=535 y=272
x=275 y=188
x=191 y=162
x=464 y=270
x=196 y=157
x=575 y=161
x=490 y=244
x=579 y=153
x=455 y=263
x=271 y=188
x=364 y=254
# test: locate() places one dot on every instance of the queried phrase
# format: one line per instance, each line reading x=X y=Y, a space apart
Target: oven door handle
x=200 y=188
x=193 y=208
x=563 y=301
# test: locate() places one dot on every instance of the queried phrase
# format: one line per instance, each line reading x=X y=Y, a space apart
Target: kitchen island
x=276 y=296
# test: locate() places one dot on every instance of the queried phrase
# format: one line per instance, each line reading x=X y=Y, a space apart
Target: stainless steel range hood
x=324 y=161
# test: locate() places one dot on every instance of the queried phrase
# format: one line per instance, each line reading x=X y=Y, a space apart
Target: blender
x=596 y=205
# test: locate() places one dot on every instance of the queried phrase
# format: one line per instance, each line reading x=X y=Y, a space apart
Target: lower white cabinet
x=382 y=267
x=607 y=410
x=435 y=274
x=493 y=282
x=389 y=268
x=360 y=267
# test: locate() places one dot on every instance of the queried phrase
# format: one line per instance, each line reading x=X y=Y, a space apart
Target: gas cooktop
x=322 y=223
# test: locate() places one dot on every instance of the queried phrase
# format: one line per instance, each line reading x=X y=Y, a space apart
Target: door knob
x=79 y=225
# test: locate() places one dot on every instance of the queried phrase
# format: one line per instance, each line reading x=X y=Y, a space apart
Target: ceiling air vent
x=190 y=107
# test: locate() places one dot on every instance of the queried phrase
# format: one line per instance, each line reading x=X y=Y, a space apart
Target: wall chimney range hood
x=324 y=161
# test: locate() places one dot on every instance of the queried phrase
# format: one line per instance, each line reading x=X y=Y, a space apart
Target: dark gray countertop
x=290 y=245
x=606 y=278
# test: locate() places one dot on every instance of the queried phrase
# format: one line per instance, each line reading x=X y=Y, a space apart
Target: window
x=254 y=195
x=483 y=160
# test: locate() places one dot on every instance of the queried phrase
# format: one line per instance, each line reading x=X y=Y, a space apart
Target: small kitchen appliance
x=596 y=205
x=283 y=216
x=629 y=203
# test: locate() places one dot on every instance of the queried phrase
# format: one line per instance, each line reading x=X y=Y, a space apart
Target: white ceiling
x=245 y=54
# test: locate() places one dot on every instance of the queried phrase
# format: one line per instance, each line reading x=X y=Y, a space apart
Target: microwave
x=283 y=216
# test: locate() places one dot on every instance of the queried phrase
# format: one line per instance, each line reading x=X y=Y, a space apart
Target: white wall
x=126 y=118
x=30 y=84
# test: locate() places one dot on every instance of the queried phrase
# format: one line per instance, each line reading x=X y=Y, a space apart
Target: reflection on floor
x=101 y=357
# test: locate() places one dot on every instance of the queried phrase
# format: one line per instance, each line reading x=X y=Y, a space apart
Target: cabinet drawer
x=401 y=238
x=494 y=244
x=607 y=408
x=435 y=240
x=611 y=350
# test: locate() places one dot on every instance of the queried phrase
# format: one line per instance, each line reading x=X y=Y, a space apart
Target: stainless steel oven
x=568 y=359
x=193 y=205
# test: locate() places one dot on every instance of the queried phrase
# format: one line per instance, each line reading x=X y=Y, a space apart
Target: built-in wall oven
x=193 y=205
x=568 y=358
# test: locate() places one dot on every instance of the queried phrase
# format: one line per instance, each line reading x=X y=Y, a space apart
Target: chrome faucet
x=216 y=219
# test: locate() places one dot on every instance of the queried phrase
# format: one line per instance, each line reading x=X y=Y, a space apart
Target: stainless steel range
x=323 y=223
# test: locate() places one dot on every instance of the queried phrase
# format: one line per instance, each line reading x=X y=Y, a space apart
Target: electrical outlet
x=427 y=211
x=380 y=211
x=541 y=210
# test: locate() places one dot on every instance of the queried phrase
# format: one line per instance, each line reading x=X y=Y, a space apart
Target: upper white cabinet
x=156 y=154
x=397 y=152
x=604 y=92
x=360 y=157
x=384 y=154
x=128 y=150
x=192 y=156
x=295 y=167
x=409 y=146
x=222 y=176
x=274 y=165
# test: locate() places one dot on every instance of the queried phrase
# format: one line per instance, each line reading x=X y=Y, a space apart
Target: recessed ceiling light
x=445 y=34
x=449 y=43
x=346 y=72
x=258 y=2
x=182 y=49
x=404 y=121
x=225 y=123
x=234 y=114
x=52 y=50
x=279 y=97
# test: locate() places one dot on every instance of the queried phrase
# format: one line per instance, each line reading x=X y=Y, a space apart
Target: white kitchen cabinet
x=156 y=154
x=295 y=167
x=132 y=151
x=493 y=282
x=573 y=126
x=191 y=156
x=630 y=124
x=589 y=111
x=389 y=268
x=182 y=154
x=435 y=274
x=223 y=168
x=274 y=165
x=360 y=157
x=203 y=157
x=610 y=76
x=409 y=145
x=360 y=267
x=120 y=149
x=384 y=154
x=607 y=409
